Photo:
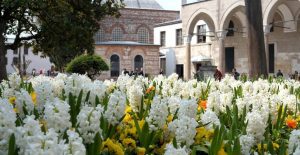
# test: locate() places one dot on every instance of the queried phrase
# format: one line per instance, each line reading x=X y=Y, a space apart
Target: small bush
x=87 y=64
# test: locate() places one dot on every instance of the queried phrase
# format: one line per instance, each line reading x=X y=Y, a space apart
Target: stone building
x=217 y=30
x=127 y=42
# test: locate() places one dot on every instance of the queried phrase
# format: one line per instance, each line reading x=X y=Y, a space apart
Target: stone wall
x=150 y=54
x=132 y=19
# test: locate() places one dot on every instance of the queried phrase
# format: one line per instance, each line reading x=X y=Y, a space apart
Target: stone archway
x=200 y=14
x=286 y=13
x=234 y=24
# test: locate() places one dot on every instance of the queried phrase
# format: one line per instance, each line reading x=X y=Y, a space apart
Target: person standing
x=279 y=73
x=161 y=72
x=218 y=75
x=125 y=72
x=141 y=72
x=235 y=74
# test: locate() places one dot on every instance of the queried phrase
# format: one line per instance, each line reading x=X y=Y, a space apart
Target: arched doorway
x=138 y=62
x=114 y=65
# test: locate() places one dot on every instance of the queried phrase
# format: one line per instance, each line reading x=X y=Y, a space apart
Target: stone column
x=187 y=61
x=267 y=29
x=221 y=36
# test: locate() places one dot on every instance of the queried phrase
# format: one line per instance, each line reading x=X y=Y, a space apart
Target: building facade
x=27 y=60
x=126 y=41
x=217 y=30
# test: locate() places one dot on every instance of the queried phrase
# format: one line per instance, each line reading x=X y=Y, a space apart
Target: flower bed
x=74 y=115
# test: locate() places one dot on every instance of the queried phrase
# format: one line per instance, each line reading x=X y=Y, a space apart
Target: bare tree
x=256 y=45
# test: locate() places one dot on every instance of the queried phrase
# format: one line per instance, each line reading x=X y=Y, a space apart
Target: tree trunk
x=3 y=73
x=256 y=45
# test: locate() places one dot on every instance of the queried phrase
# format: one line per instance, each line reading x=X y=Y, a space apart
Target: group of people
x=218 y=74
x=51 y=72
x=137 y=72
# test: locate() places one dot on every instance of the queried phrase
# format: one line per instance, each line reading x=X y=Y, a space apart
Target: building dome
x=142 y=4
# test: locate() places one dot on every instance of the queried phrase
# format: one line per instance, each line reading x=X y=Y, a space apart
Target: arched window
x=117 y=34
x=138 y=62
x=99 y=36
x=114 y=65
x=143 y=35
x=230 y=29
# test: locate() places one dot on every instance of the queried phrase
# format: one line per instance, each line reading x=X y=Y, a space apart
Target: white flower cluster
x=14 y=81
x=135 y=94
x=31 y=140
x=171 y=150
x=173 y=104
x=115 y=108
x=188 y=108
x=75 y=83
x=246 y=141
x=256 y=125
x=97 y=88
x=29 y=137
x=88 y=121
x=7 y=124
x=184 y=129
x=75 y=145
x=24 y=102
x=210 y=118
x=57 y=110
x=43 y=94
x=110 y=84
x=158 y=114
x=294 y=142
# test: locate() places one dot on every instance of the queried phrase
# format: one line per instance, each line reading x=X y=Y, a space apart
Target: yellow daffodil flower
x=12 y=100
x=33 y=97
x=140 y=151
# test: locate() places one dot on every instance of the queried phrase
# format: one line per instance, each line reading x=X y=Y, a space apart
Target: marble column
x=187 y=61
x=221 y=36
x=267 y=29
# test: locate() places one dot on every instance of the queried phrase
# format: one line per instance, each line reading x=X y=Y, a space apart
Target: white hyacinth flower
x=173 y=104
x=294 y=141
x=171 y=150
x=14 y=80
x=256 y=125
x=75 y=145
x=158 y=114
x=184 y=129
x=97 y=88
x=88 y=121
x=135 y=94
x=210 y=118
x=188 y=108
x=7 y=124
x=24 y=101
x=246 y=141
x=57 y=110
x=115 y=108
x=29 y=137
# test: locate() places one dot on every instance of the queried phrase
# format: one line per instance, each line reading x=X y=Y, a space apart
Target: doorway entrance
x=229 y=59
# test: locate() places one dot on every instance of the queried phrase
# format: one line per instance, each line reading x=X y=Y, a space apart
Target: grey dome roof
x=142 y=4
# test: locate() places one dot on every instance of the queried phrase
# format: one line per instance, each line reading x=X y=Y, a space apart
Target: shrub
x=87 y=64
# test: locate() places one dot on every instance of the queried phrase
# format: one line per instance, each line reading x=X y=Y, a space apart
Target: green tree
x=61 y=29
x=87 y=64
x=256 y=45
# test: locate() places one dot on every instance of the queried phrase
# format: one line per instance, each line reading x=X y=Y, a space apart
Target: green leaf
x=12 y=145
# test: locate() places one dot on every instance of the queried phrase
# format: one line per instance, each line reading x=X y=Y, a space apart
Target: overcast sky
x=170 y=4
